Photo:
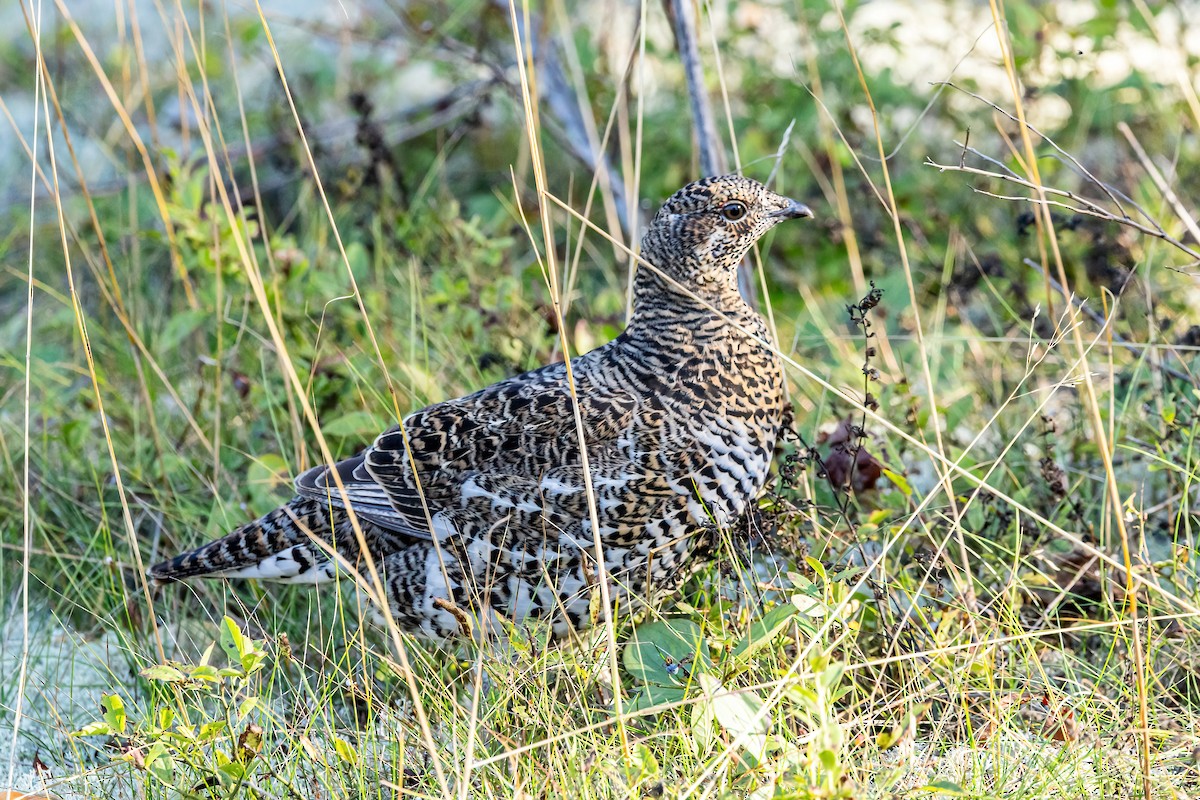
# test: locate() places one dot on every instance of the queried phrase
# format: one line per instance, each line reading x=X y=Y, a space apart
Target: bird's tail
x=277 y=546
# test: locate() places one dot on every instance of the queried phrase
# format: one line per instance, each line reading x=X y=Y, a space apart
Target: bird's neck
x=668 y=298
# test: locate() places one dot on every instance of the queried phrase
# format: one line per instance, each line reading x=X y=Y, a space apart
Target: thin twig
x=1184 y=215
x=1074 y=161
x=1089 y=207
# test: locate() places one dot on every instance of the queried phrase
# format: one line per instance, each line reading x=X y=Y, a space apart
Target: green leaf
x=356 y=423
x=234 y=770
x=808 y=605
x=651 y=695
x=247 y=705
x=232 y=641
x=704 y=727
x=210 y=730
x=945 y=787
x=737 y=710
x=642 y=764
x=345 y=751
x=267 y=479
x=254 y=658
x=163 y=672
x=816 y=566
x=164 y=769
x=898 y=480
x=98 y=728
x=155 y=751
x=764 y=630
x=665 y=652
x=205 y=672
x=114 y=712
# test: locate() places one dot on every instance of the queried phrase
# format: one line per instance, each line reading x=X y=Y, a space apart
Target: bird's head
x=704 y=230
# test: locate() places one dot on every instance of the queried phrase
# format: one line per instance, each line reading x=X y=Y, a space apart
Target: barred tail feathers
x=276 y=546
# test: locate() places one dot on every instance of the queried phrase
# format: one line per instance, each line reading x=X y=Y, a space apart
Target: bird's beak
x=792 y=210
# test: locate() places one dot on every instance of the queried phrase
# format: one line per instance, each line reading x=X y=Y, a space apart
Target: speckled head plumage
x=705 y=229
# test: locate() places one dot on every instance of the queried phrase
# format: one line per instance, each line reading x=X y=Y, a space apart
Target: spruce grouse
x=681 y=413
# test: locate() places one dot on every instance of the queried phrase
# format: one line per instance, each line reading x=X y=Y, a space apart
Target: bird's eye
x=733 y=210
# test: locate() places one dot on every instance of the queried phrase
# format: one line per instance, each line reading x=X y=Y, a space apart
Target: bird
x=475 y=510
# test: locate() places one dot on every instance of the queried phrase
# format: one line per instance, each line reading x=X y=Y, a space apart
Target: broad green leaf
x=345 y=751
x=899 y=481
x=808 y=605
x=235 y=770
x=738 y=711
x=816 y=566
x=754 y=748
x=98 y=728
x=735 y=710
x=164 y=769
x=232 y=641
x=642 y=762
x=356 y=423
x=945 y=787
x=206 y=673
x=764 y=630
x=114 y=712
x=163 y=672
x=704 y=728
x=651 y=695
x=154 y=752
x=665 y=652
x=254 y=658
x=210 y=730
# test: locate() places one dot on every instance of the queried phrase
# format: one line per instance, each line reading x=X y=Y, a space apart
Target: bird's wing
x=513 y=444
x=368 y=499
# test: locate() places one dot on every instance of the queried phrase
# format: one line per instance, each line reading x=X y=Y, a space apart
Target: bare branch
x=1074 y=161
x=1087 y=207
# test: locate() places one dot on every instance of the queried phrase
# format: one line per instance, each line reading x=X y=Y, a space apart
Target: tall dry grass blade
x=548 y=262
x=132 y=132
x=1091 y=399
x=26 y=507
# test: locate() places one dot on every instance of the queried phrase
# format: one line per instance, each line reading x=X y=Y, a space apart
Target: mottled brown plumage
x=681 y=413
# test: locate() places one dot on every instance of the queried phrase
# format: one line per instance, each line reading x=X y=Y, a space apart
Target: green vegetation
x=1006 y=602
